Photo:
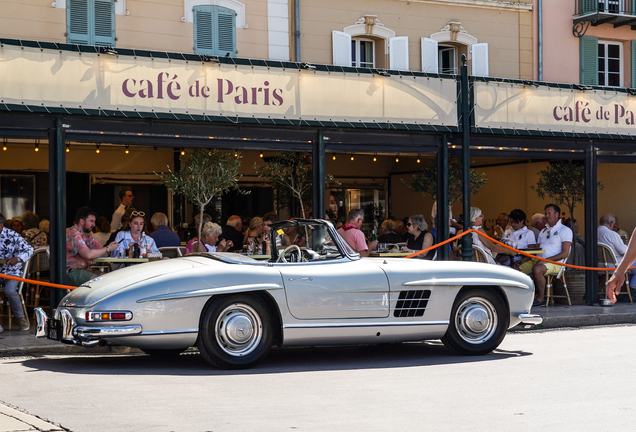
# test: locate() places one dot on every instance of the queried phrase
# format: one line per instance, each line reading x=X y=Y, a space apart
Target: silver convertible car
x=234 y=308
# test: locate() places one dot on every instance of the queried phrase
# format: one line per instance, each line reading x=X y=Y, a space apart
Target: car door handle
x=301 y=278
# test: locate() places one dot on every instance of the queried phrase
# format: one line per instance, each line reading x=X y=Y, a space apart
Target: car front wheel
x=478 y=323
x=236 y=332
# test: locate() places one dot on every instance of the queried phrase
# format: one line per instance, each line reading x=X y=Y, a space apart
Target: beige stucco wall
x=508 y=31
x=151 y=24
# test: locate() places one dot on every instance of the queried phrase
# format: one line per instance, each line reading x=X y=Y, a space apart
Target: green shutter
x=104 y=23
x=588 y=60
x=77 y=22
x=226 y=30
x=633 y=50
x=589 y=6
x=214 y=31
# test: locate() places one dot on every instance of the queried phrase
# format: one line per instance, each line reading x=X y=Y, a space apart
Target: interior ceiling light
x=127 y=151
x=352 y=158
x=37 y=146
x=97 y=148
x=375 y=159
x=235 y=153
x=418 y=159
x=397 y=157
x=182 y=152
x=261 y=155
x=68 y=148
x=333 y=157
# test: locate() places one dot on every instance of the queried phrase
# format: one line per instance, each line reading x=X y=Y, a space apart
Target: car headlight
x=108 y=316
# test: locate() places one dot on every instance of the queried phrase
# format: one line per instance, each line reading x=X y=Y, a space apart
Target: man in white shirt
x=556 y=240
x=518 y=235
x=126 y=197
x=607 y=235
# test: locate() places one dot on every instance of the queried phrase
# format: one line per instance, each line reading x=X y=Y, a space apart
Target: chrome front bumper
x=530 y=319
x=71 y=333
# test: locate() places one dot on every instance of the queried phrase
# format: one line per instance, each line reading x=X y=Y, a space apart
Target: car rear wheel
x=236 y=332
x=478 y=323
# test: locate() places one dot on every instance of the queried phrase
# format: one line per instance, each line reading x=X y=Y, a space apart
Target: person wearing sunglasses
x=419 y=238
x=134 y=234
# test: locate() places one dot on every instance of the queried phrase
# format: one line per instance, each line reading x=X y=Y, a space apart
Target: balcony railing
x=597 y=12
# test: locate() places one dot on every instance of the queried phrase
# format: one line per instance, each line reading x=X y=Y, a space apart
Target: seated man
x=538 y=223
x=163 y=235
x=518 y=236
x=232 y=232
x=16 y=252
x=352 y=234
x=556 y=240
x=81 y=247
x=606 y=234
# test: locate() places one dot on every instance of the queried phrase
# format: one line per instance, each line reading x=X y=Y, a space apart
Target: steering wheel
x=281 y=257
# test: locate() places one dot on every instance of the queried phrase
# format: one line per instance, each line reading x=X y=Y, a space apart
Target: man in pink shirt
x=352 y=234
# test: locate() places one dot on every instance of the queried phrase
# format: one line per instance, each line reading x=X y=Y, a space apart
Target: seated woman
x=388 y=234
x=477 y=220
x=253 y=235
x=134 y=234
x=418 y=238
x=294 y=236
x=209 y=238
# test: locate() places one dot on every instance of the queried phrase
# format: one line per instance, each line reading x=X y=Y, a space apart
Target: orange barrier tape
x=512 y=249
x=34 y=282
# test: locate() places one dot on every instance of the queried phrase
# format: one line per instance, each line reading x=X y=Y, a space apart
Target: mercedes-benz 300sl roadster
x=234 y=308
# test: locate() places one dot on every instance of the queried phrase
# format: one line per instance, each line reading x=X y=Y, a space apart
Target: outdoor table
x=528 y=251
x=390 y=254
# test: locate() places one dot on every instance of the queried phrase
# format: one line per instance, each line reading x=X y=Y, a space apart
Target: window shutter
x=341 y=45
x=203 y=39
x=77 y=22
x=633 y=50
x=588 y=60
x=226 y=31
x=399 y=53
x=480 y=59
x=589 y=6
x=104 y=23
x=430 y=55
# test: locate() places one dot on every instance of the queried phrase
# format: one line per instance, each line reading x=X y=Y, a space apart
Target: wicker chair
x=5 y=309
x=480 y=255
x=549 y=287
x=607 y=260
x=39 y=268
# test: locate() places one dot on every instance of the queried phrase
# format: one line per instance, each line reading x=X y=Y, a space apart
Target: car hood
x=99 y=288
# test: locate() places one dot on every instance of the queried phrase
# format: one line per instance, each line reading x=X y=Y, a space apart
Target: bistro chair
x=39 y=269
x=607 y=260
x=172 y=251
x=549 y=287
x=480 y=255
x=5 y=309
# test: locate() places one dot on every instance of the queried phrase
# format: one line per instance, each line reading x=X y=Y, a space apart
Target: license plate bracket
x=54 y=329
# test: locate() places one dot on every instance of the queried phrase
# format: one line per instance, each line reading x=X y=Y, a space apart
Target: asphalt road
x=569 y=380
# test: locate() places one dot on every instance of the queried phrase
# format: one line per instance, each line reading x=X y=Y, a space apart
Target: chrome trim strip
x=211 y=291
x=533 y=319
x=466 y=281
x=388 y=324
x=168 y=332
x=85 y=333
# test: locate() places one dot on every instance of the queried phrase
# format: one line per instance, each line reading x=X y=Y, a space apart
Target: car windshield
x=306 y=240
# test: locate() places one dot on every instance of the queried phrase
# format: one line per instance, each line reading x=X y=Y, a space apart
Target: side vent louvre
x=411 y=303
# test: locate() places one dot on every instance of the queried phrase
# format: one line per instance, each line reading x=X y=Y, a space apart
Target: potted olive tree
x=204 y=174
x=563 y=182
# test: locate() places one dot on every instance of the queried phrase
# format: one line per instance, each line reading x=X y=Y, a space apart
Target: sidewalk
x=15 y=342
x=13 y=420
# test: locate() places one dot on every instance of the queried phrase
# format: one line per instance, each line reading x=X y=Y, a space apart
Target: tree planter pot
x=576 y=287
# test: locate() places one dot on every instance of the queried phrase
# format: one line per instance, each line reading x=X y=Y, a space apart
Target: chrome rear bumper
x=85 y=336
x=530 y=319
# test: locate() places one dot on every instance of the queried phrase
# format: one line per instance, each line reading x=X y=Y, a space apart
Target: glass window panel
x=601 y=50
x=613 y=51
x=601 y=79
x=353 y=52
x=614 y=80
x=613 y=65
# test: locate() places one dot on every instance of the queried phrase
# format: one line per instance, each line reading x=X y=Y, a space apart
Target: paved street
x=565 y=380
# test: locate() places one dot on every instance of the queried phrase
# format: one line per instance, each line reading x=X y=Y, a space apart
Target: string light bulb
x=352 y=158
x=4 y=145
x=333 y=156
x=127 y=151
x=375 y=159
x=261 y=155
x=397 y=157
x=182 y=152
x=37 y=146
x=235 y=153
x=418 y=158
x=97 y=150
x=68 y=148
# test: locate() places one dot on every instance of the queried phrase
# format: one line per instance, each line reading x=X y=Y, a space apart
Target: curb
x=66 y=349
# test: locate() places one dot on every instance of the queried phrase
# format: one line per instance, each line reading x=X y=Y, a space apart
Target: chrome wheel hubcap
x=476 y=320
x=238 y=329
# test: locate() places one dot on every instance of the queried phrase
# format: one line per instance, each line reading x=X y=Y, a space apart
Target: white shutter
x=480 y=59
x=341 y=43
x=399 y=53
x=430 y=55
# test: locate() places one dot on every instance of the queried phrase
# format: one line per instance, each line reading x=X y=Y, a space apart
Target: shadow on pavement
x=287 y=360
